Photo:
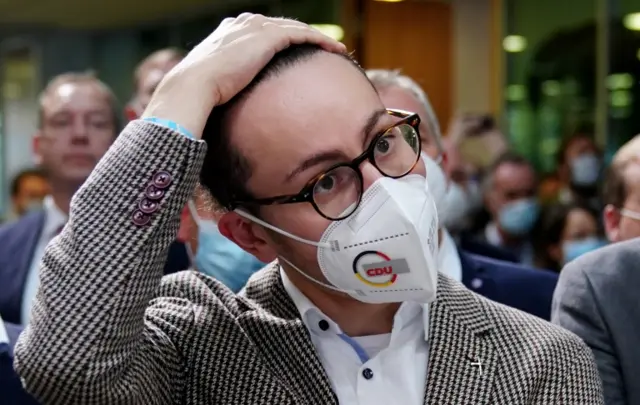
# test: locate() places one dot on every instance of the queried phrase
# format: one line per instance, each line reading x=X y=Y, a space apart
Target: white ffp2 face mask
x=386 y=250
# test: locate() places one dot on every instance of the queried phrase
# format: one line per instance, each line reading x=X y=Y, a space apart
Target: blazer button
x=162 y=180
x=140 y=218
x=148 y=206
x=153 y=193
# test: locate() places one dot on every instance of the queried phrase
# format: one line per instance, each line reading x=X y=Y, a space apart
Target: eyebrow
x=333 y=155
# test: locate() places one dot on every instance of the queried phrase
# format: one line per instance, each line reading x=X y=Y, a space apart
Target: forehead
x=79 y=96
x=514 y=174
x=318 y=104
x=631 y=176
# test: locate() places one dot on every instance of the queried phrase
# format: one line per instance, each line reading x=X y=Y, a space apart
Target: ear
x=611 y=219
x=36 y=145
x=249 y=236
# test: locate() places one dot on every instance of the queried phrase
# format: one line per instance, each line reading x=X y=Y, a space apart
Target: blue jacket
x=11 y=391
x=524 y=288
x=18 y=241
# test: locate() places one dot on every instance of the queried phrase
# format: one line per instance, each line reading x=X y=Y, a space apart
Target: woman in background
x=565 y=232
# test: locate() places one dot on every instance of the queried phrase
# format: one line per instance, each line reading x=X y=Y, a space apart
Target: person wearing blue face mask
x=579 y=169
x=510 y=189
x=567 y=231
x=216 y=256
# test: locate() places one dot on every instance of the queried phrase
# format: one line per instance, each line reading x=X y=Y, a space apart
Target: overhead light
x=632 y=21
x=514 y=43
x=331 y=30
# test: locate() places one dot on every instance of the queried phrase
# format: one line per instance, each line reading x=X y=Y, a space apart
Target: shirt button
x=324 y=325
x=367 y=373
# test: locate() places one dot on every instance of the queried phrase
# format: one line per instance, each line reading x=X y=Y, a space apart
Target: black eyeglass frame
x=306 y=193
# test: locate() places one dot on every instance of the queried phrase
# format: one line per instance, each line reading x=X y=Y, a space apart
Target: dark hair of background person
x=23 y=174
x=225 y=171
x=585 y=131
x=549 y=229
x=80 y=78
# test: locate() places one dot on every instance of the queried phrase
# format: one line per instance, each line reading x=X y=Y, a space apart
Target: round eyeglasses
x=336 y=193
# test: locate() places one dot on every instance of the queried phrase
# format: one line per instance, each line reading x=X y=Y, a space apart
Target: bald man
x=597 y=296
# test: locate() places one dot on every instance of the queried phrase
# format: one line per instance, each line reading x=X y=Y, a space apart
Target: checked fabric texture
x=106 y=329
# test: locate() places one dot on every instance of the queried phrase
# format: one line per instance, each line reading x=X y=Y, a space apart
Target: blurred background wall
x=544 y=68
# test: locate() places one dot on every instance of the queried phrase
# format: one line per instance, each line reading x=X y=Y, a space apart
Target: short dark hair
x=225 y=170
x=561 y=157
x=508 y=157
x=77 y=78
x=16 y=183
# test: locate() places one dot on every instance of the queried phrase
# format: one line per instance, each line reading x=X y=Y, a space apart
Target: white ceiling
x=101 y=14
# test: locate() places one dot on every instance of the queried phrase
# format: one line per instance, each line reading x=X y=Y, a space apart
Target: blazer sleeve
x=97 y=336
x=575 y=308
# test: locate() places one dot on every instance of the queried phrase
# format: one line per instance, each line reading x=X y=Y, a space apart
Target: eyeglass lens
x=338 y=192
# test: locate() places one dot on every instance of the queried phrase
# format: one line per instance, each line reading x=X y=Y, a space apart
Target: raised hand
x=224 y=63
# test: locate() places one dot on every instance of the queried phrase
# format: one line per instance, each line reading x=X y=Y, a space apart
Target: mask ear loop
x=324 y=245
x=267 y=225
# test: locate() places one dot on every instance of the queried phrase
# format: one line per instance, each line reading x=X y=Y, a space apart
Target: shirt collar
x=311 y=315
x=55 y=218
x=448 y=257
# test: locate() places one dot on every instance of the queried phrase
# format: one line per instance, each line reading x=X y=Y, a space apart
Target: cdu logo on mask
x=380 y=273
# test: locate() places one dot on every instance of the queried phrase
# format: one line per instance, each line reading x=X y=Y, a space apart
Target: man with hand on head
x=517 y=286
x=313 y=172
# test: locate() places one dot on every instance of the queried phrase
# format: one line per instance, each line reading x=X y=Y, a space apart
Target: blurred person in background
x=78 y=122
x=509 y=188
x=597 y=294
x=147 y=77
x=463 y=195
x=566 y=232
x=520 y=287
x=28 y=189
x=11 y=390
x=579 y=169
x=317 y=176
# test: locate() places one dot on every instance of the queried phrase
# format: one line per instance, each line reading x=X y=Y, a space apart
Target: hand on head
x=225 y=63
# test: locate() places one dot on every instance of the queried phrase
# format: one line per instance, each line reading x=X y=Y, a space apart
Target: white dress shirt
x=449 y=258
x=54 y=220
x=4 y=337
x=382 y=369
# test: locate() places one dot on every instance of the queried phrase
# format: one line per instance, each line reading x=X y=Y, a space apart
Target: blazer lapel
x=284 y=342
x=462 y=358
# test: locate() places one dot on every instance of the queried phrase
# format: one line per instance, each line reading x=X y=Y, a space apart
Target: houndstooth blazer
x=107 y=330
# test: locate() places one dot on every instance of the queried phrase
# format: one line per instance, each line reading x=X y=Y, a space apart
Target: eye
x=385 y=144
x=326 y=183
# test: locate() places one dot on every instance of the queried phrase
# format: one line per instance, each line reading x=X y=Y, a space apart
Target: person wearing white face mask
x=286 y=133
x=517 y=286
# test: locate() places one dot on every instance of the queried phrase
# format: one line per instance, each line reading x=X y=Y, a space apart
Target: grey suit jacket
x=597 y=298
x=107 y=330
